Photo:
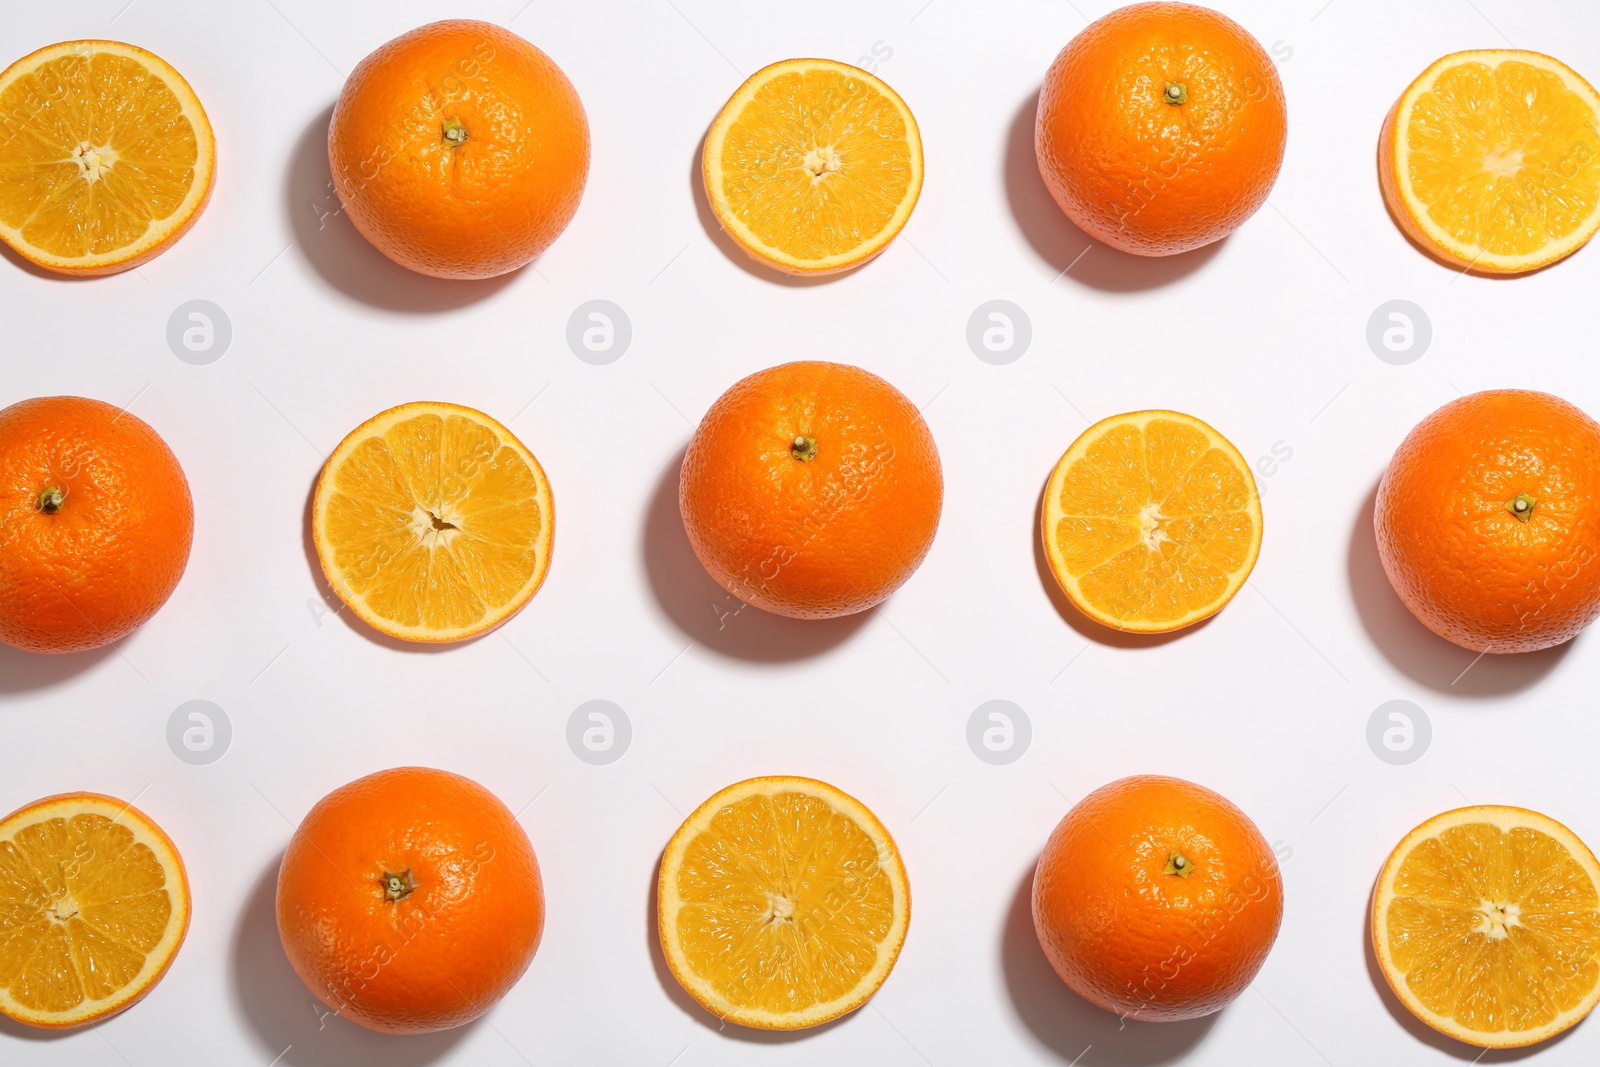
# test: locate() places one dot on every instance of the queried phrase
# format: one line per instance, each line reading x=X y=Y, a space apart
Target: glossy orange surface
x=459 y=149
x=1161 y=128
x=95 y=523
x=811 y=490
x=410 y=900
x=1488 y=521
x=1157 y=899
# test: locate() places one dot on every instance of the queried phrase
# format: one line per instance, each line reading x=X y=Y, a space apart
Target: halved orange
x=813 y=166
x=433 y=522
x=1486 y=924
x=1151 y=521
x=782 y=903
x=106 y=156
x=94 y=904
x=1490 y=160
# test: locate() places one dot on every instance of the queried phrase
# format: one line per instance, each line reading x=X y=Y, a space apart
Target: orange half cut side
x=1486 y=924
x=782 y=903
x=94 y=905
x=433 y=522
x=813 y=166
x=1152 y=521
x=106 y=157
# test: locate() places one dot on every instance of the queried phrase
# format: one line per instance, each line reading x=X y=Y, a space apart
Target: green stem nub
x=455 y=132
x=805 y=449
x=1178 y=864
x=51 y=499
x=1177 y=93
x=398 y=886
x=1521 y=506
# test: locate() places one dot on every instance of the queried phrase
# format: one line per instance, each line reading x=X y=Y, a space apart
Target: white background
x=1263 y=336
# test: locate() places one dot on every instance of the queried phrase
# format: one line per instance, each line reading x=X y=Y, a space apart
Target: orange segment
x=1486 y=923
x=94 y=903
x=782 y=902
x=1491 y=160
x=433 y=522
x=813 y=166
x=106 y=156
x=1151 y=521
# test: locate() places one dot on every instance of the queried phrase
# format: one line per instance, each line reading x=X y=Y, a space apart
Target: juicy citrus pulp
x=106 y=156
x=1151 y=521
x=1486 y=923
x=1491 y=160
x=433 y=522
x=782 y=903
x=94 y=903
x=813 y=166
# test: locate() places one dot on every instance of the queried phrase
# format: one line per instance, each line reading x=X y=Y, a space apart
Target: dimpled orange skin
x=439 y=956
x=1133 y=939
x=1150 y=177
x=1468 y=568
x=478 y=209
x=818 y=538
x=112 y=553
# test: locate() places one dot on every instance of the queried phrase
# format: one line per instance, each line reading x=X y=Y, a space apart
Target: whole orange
x=1486 y=520
x=1157 y=899
x=811 y=490
x=410 y=901
x=1161 y=128
x=95 y=524
x=459 y=149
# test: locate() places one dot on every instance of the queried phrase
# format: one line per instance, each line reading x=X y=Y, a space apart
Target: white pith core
x=1503 y=162
x=63 y=909
x=1497 y=919
x=779 y=908
x=93 y=160
x=822 y=161
x=435 y=530
x=1151 y=529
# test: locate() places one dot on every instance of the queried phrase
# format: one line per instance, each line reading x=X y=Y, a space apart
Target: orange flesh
x=92 y=909
x=100 y=157
x=1153 y=522
x=435 y=524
